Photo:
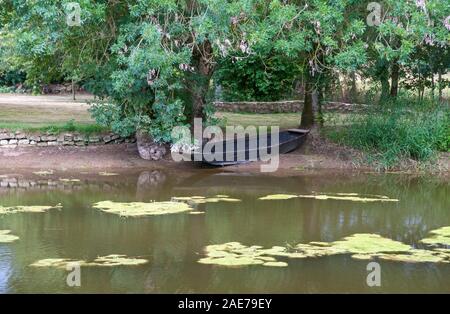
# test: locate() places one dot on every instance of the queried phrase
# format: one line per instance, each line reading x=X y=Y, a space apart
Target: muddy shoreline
x=124 y=157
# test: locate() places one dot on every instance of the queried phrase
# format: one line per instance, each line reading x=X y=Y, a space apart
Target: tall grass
x=55 y=128
x=397 y=131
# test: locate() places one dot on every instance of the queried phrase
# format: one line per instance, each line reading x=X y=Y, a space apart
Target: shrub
x=396 y=132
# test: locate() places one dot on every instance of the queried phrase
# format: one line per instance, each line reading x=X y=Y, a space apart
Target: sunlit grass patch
x=54 y=128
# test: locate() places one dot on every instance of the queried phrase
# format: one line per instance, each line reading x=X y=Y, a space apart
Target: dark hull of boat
x=230 y=154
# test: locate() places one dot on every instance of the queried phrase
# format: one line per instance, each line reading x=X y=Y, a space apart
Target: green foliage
x=150 y=62
x=397 y=132
x=111 y=116
x=258 y=78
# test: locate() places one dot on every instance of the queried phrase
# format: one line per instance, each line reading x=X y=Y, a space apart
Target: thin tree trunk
x=395 y=73
x=73 y=90
x=440 y=85
x=320 y=98
x=384 y=89
x=354 y=90
x=308 y=120
x=433 y=86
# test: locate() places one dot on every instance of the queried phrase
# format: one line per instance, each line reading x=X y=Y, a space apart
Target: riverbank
x=316 y=155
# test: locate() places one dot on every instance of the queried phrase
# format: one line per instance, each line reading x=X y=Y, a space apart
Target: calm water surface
x=174 y=243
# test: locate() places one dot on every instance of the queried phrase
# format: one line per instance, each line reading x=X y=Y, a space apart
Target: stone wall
x=17 y=183
x=260 y=107
x=282 y=107
x=11 y=139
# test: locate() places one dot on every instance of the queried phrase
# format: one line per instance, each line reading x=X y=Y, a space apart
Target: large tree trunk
x=309 y=104
x=395 y=74
x=320 y=99
x=440 y=87
x=433 y=85
x=199 y=82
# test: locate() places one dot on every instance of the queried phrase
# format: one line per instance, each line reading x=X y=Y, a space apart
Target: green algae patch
x=275 y=264
x=439 y=236
x=27 y=209
x=417 y=256
x=367 y=243
x=360 y=246
x=43 y=172
x=6 y=237
x=232 y=254
x=139 y=209
x=278 y=197
x=194 y=200
x=69 y=180
x=353 y=197
x=107 y=174
x=117 y=260
x=111 y=260
x=56 y=262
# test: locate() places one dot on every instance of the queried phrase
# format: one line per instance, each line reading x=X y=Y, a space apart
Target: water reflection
x=174 y=243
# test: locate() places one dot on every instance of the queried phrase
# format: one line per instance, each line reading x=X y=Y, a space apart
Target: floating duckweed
x=417 y=256
x=107 y=174
x=234 y=254
x=366 y=243
x=278 y=197
x=70 y=180
x=56 y=262
x=6 y=237
x=102 y=261
x=26 y=209
x=356 y=194
x=276 y=264
x=196 y=213
x=355 y=197
x=439 y=236
x=203 y=200
x=350 y=197
x=137 y=209
x=43 y=172
x=231 y=261
x=361 y=246
x=117 y=260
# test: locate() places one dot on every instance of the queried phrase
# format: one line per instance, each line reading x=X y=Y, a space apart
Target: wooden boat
x=288 y=141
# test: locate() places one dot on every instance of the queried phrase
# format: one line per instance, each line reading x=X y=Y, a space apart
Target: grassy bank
x=54 y=128
x=392 y=134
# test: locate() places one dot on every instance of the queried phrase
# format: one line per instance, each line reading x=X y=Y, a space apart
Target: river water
x=173 y=244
